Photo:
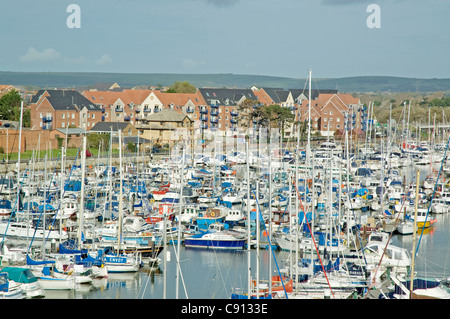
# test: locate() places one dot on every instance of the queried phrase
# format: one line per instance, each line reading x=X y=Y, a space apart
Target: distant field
x=347 y=84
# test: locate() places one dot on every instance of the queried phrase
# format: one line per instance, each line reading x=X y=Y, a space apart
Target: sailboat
x=115 y=258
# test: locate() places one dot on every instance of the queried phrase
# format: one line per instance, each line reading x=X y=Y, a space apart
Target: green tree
x=249 y=111
x=131 y=147
x=182 y=87
x=94 y=140
x=10 y=107
x=277 y=116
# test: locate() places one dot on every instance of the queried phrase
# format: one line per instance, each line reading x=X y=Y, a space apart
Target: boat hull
x=51 y=283
x=215 y=244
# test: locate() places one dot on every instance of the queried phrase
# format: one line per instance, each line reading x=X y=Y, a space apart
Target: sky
x=287 y=38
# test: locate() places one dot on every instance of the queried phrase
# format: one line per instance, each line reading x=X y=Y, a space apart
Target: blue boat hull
x=215 y=244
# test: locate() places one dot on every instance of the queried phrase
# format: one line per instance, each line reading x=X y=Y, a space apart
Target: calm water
x=211 y=274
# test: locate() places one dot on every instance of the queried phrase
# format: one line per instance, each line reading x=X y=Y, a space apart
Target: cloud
x=222 y=3
x=351 y=2
x=104 y=59
x=344 y=2
x=34 y=55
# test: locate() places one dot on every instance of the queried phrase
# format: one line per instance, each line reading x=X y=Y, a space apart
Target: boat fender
x=213 y=214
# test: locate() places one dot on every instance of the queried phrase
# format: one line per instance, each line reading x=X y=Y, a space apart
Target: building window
x=331 y=112
x=63 y=116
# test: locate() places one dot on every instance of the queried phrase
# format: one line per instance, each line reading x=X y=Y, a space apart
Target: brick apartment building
x=333 y=112
x=52 y=109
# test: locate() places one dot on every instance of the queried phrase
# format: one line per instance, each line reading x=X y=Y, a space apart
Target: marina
x=188 y=225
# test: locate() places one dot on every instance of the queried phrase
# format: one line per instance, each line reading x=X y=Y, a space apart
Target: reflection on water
x=208 y=274
x=433 y=256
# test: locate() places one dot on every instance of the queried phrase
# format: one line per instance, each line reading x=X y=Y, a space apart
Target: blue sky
x=279 y=38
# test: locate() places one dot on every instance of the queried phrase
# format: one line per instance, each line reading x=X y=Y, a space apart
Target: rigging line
x=270 y=245
x=387 y=244
x=312 y=238
x=181 y=273
x=358 y=234
x=40 y=215
x=64 y=191
x=432 y=197
x=15 y=204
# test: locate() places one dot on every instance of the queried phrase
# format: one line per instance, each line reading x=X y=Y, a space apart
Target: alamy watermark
x=74 y=19
x=374 y=19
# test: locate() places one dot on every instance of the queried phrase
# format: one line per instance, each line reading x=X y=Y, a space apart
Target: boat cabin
x=280 y=217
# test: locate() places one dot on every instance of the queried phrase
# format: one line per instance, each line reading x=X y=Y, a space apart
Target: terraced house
x=214 y=109
x=334 y=112
x=53 y=109
x=221 y=111
x=136 y=106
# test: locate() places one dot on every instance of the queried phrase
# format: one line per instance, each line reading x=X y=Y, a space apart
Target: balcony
x=234 y=121
x=214 y=112
x=118 y=109
x=146 y=110
x=204 y=126
x=156 y=110
x=234 y=113
x=189 y=110
x=126 y=118
x=214 y=106
x=103 y=110
x=204 y=118
x=203 y=111
x=214 y=120
x=47 y=118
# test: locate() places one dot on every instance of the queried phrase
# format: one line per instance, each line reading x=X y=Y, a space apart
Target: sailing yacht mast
x=249 y=274
x=414 y=235
x=83 y=177
x=179 y=224
x=119 y=229
x=308 y=145
x=18 y=155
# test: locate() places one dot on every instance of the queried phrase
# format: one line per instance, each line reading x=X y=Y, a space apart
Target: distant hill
x=127 y=80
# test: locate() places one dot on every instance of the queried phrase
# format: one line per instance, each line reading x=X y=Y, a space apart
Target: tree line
x=10 y=108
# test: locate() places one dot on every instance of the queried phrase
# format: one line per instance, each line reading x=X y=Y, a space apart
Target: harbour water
x=216 y=274
x=210 y=274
